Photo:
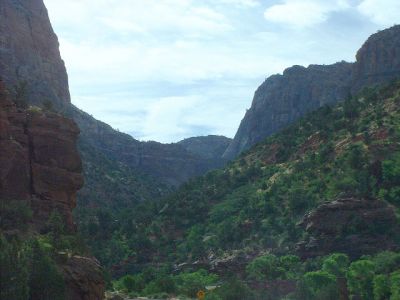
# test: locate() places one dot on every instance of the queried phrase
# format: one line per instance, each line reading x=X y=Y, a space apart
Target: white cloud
x=384 y=13
x=303 y=13
x=170 y=69
x=243 y=3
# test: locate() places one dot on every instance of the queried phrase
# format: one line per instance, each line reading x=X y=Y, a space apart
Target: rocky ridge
x=282 y=99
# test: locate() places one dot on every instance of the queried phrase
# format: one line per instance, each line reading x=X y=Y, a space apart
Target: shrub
x=318 y=285
x=190 y=283
x=381 y=287
x=336 y=264
x=360 y=278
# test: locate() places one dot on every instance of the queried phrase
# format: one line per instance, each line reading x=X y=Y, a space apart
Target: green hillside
x=252 y=219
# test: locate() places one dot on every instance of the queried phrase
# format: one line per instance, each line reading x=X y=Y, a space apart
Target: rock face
x=171 y=164
x=84 y=281
x=29 y=52
x=282 y=99
x=378 y=60
x=40 y=165
x=209 y=147
x=352 y=226
x=38 y=160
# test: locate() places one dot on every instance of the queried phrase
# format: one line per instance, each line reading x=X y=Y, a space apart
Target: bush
x=318 y=285
x=336 y=264
x=360 y=279
x=395 y=285
x=14 y=270
x=265 y=267
x=233 y=290
x=131 y=283
x=381 y=287
x=46 y=282
x=191 y=283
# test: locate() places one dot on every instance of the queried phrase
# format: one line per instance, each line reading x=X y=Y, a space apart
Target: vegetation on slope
x=254 y=206
x=31 y=262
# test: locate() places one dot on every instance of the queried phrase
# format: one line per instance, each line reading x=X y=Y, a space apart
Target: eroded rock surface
x=39 y=160
x=29 y=52
x=352 y=226
x=84 y=281
x=40 y=165
x=282 y=99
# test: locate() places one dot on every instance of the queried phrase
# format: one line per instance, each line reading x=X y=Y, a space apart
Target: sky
x=166 y=70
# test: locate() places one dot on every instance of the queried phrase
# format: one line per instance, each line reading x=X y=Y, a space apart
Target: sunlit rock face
x=282 y=99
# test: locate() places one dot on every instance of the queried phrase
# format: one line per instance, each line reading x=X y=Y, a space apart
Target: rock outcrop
x=29 y=52
x=83 y=279
x=171 y=164
x=39 y=161
x=40 y=165
x=208 y=147
x=353 y=226
x=378 y=60
x=282 y=99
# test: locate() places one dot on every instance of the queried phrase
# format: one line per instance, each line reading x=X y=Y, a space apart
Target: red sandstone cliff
x=39 y=161
x=39 y=164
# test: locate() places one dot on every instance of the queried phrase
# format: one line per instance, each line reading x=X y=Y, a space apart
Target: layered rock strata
x=353 y=226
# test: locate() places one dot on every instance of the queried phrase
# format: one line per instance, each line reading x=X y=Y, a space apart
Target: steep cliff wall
x=282 y=99
x=39 y=161
x=29 y=52
x=40 y=165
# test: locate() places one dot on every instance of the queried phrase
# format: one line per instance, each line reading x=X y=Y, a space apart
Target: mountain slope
x=328 y=183
x=282 y=99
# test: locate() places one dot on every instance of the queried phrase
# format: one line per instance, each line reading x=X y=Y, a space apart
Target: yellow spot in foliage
x=201 y=295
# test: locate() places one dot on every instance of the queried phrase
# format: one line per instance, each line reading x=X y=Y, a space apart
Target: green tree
x=265 y=267
x=318 y=285
x=395 y=285
x=381 y=287
x=360 y=278
x=190 y=283
x=46 y=282
x=234 y=289
x=336 y=264
x=14 y=271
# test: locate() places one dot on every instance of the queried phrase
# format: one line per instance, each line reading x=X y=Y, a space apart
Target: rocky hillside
x=282 y=99
x=40 y=174
x=32 y=68
x=208 y=147
x=309 y=212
